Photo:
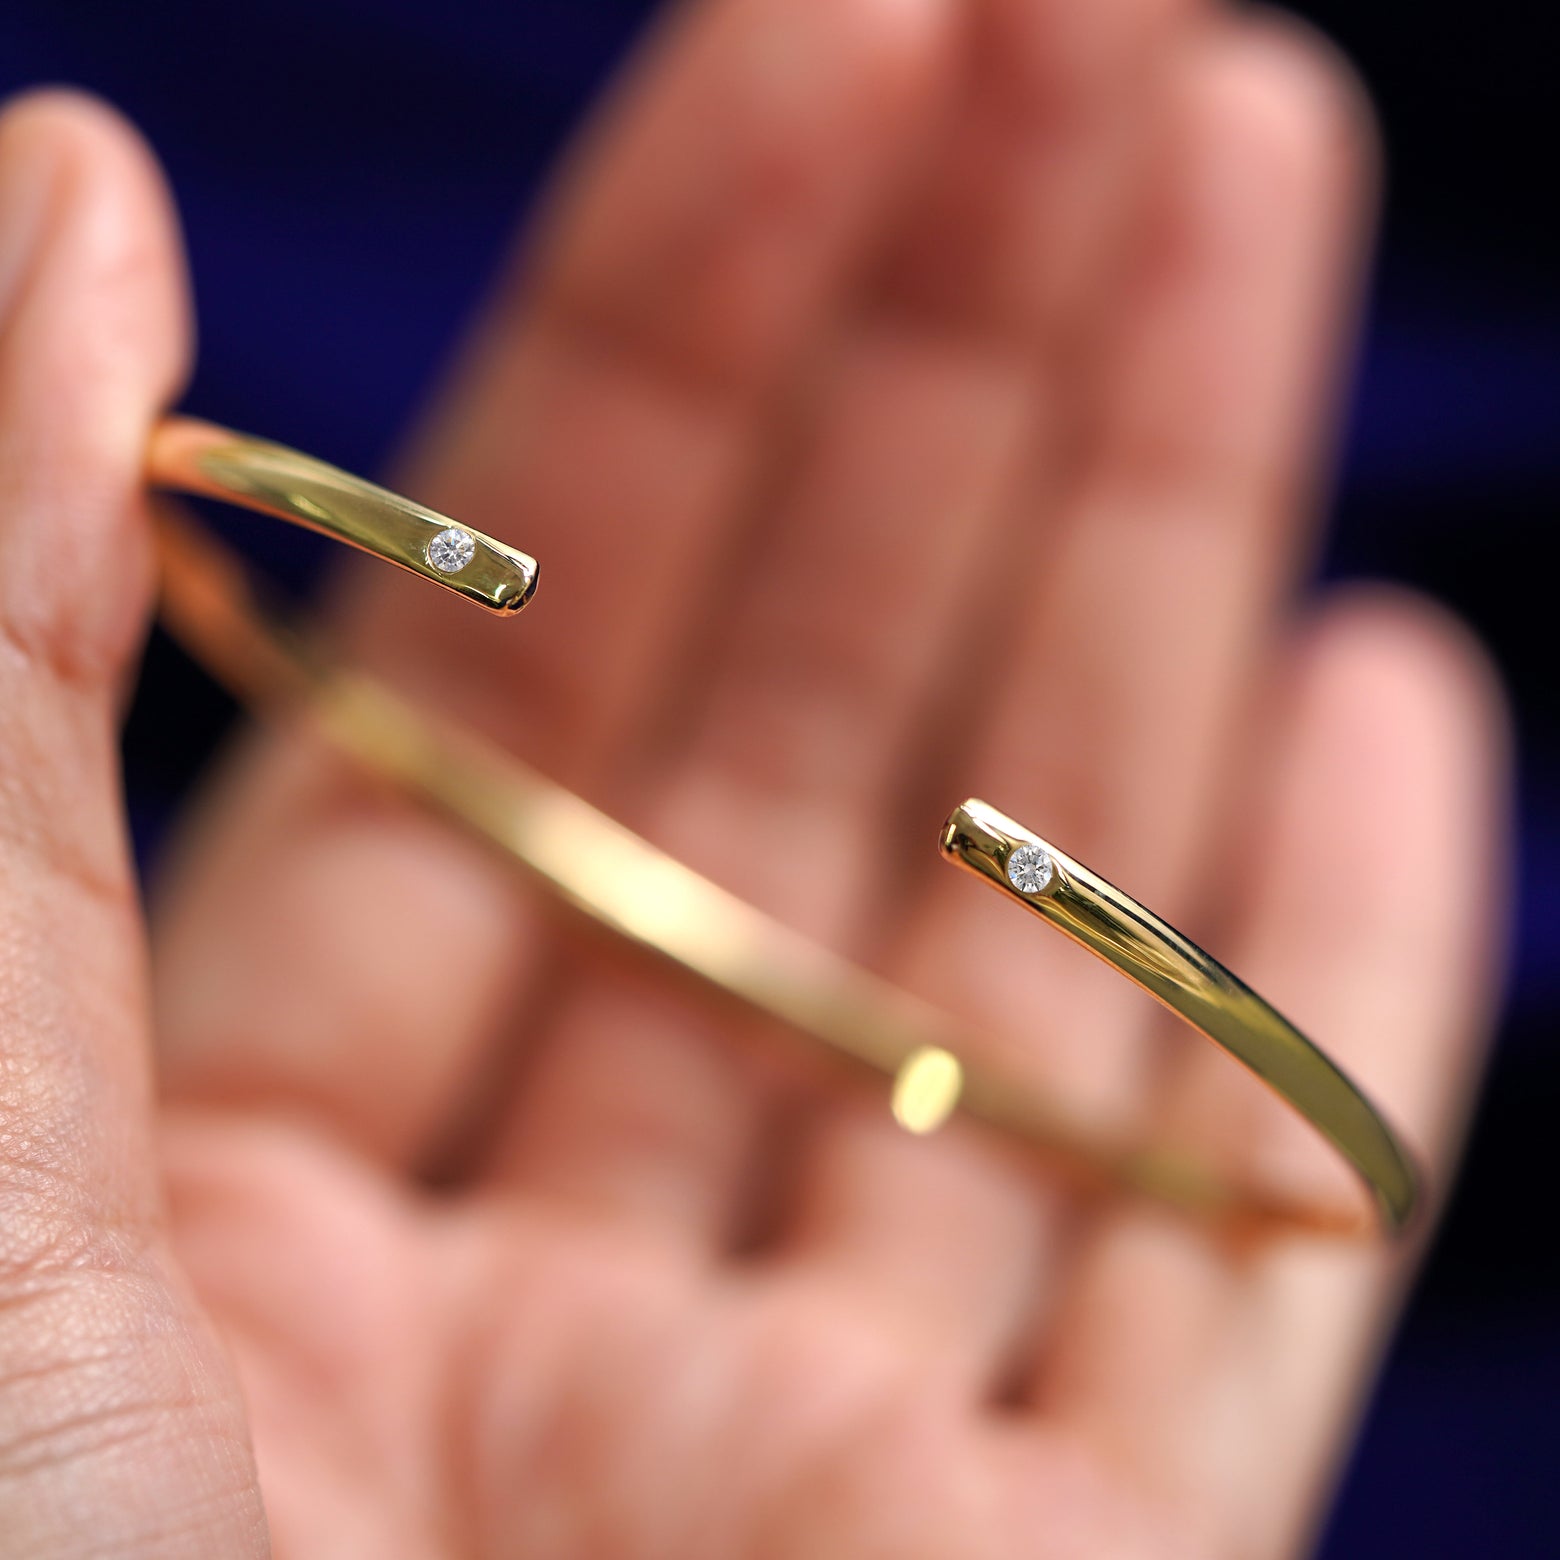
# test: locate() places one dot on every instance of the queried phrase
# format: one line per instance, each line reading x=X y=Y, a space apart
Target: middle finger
x=842 y=623
x=610 y=420
x=1150 y=604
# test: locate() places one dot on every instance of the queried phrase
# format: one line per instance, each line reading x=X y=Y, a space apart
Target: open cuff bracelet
x=629 y=887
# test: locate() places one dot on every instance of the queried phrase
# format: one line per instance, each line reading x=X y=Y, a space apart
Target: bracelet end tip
x=975 y=833
x=511 y=599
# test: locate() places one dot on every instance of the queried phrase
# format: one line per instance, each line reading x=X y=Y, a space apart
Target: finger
x=1015 y=230
x=638 y=1106
x=1151 y=605
x=1390 y=776
x=1016 y=240
x=612 y=413
x=1144 y=607
x=617 y=403
x=115 y=1404
x=837 y=626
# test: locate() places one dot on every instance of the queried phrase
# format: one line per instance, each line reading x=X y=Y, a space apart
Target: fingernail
x=28 y=168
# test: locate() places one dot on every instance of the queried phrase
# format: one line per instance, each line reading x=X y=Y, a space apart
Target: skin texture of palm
x=866 y=348
x=502 y=1379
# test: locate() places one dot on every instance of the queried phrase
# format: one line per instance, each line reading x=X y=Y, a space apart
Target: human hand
x=871 y=347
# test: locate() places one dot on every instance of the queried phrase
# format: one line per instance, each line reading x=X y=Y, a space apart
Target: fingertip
x=1398 y=663
x=1290 y=96
x=95 y=339
x=1406 y=725
x=736 y=178
x=108 y=189
x=1271 y=140
x=1250 y=235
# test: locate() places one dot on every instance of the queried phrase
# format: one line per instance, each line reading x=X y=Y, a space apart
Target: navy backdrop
x=348 y=172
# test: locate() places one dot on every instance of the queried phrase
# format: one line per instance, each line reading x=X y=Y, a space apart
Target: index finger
x=609 y=418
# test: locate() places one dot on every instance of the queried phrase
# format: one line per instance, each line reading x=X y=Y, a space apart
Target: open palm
x=874 y=352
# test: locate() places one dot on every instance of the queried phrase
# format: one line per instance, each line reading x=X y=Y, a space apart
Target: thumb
x=120 y=1426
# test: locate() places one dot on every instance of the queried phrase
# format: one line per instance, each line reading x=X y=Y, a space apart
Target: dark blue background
x=349 y=170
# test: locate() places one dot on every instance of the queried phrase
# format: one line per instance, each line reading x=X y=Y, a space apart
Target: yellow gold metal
x=648 y=899
x=927 y=1089
x=199 y=457
x=1189 y=982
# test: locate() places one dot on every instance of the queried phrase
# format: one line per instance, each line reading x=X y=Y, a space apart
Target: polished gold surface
x=647 y=899
x=1189 y=982
x=199 y=457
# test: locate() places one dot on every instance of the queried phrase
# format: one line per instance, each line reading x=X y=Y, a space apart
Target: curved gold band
x=623 y=883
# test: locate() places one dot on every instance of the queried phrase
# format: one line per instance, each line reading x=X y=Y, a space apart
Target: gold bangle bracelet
x=626 y=885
